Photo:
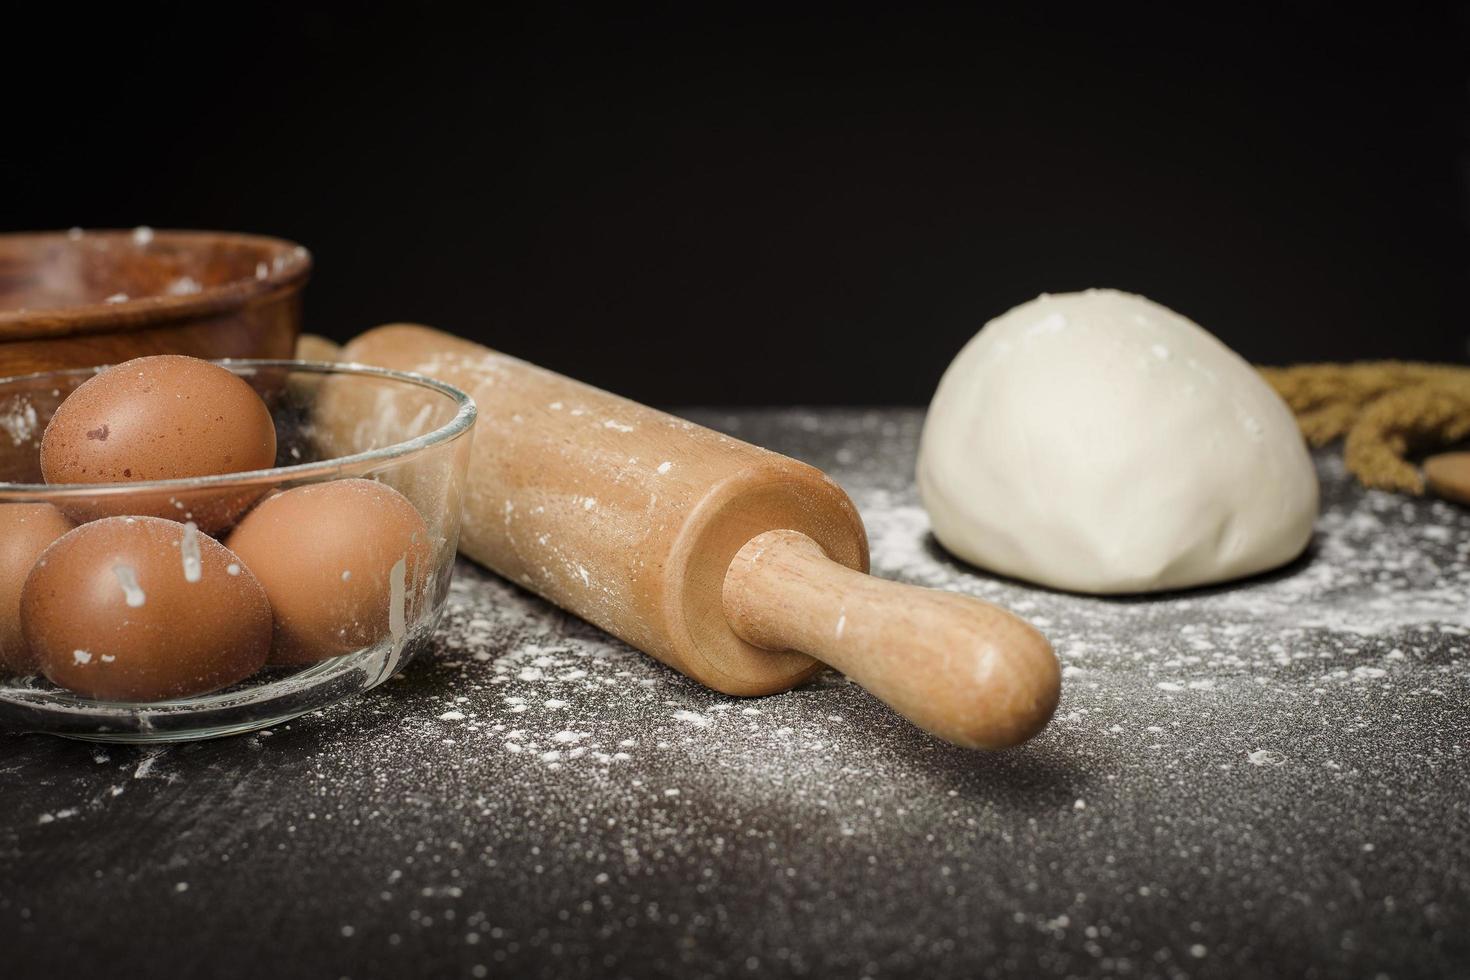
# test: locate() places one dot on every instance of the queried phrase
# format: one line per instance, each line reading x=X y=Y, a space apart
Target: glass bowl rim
x=463 y=420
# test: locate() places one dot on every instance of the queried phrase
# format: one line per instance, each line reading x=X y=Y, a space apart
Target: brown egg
x=143 y=609
x=342 y=563
x=160 y=418
x=26 y=530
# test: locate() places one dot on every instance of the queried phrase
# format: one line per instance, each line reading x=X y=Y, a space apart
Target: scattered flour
x=585 y=784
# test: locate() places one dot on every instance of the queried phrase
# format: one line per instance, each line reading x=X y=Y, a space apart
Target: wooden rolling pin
x=738 y=566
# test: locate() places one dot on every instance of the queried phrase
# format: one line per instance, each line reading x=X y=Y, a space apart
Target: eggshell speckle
x=143 y=609
x=160 y=418
x=26 y=530
x=342 y=563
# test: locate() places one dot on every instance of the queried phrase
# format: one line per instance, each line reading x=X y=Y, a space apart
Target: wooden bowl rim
x=289 y=265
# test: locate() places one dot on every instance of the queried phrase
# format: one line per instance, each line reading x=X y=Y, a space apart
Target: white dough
x=1099 y=442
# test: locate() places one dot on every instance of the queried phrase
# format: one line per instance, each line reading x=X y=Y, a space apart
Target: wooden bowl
x=82 y=299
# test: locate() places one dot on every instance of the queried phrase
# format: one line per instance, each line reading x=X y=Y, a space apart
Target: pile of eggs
x=150 y=595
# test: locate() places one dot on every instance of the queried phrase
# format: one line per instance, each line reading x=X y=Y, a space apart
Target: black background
x=779 y=205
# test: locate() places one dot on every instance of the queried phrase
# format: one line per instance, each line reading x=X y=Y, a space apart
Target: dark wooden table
x=1269 y=779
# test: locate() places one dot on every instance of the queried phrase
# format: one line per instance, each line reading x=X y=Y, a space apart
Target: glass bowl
x=333 y=422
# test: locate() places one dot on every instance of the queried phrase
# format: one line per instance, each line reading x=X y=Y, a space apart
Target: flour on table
x=517 y=778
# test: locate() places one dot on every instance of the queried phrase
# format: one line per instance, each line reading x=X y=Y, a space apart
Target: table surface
x=1269 y=778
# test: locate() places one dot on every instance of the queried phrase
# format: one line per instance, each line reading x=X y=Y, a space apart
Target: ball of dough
x=1099 y=442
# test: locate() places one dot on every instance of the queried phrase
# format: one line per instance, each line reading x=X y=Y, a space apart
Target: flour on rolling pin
x=647 y=525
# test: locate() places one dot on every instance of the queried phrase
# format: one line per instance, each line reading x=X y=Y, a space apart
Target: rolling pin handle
x=967 y=671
